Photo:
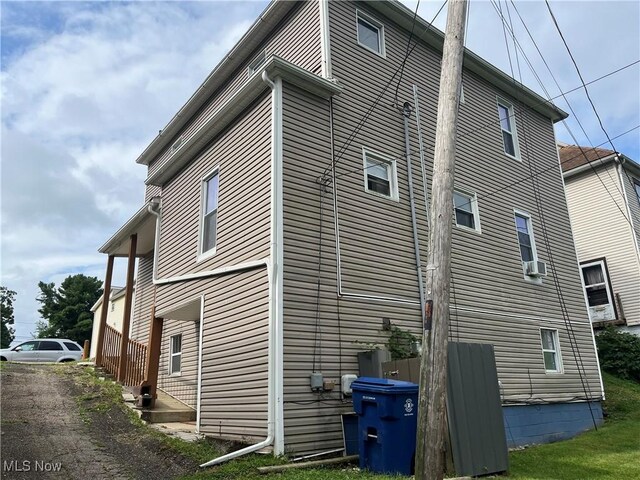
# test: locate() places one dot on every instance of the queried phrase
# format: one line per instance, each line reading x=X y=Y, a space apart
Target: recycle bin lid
x=383 y=385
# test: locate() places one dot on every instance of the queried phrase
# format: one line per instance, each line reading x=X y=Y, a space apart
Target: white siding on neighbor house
x=145 y=293
x=495 y=304
x=296 y=39
x=601 y=231
x=115 y=316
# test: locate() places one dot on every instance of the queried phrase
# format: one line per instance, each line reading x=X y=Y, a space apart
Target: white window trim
x=556 y=343
x=360 y=15
x=512 y=116
x=173 y=354
x=203 y=200
x=393 y=179
x=537 y=281
x=474 y=207
x=606 y=283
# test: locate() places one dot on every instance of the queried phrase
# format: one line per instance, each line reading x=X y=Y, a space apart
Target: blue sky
x=87 y=85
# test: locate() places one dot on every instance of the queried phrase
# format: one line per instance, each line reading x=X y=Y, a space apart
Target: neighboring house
x=115 y=315
x=603 y=194
x=277 y=237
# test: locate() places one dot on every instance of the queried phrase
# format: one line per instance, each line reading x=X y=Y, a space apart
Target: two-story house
x=277 y=233
x=603 y=194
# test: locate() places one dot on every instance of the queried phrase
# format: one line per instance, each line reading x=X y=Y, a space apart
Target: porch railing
x=136 y=363
x=111 y=350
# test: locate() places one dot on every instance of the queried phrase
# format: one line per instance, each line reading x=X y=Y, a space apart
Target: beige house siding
x=633 y=201
x=296 y=39
x=145 y=293
x=601 y=230
x=242 y=154
x=495 y=304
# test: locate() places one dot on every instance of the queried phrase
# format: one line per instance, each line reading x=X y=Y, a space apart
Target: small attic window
x=257 y=62
x=177 y=144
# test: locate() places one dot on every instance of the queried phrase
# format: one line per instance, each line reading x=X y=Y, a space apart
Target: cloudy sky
x=87 y=85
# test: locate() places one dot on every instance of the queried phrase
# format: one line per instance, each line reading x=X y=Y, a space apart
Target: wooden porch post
x=128 y=301
x=153 y=356
x=104 y=310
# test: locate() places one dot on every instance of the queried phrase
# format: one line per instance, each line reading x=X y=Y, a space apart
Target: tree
x=68 y=309
x=7 y=297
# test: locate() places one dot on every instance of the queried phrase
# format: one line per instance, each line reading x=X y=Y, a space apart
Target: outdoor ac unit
x=535 y=268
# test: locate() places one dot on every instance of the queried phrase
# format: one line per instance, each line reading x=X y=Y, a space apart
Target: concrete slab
x=183 y=430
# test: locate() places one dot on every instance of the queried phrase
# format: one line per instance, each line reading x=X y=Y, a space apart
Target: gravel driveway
x=44 y=434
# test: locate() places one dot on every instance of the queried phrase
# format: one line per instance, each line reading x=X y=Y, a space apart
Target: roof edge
x=125 y=230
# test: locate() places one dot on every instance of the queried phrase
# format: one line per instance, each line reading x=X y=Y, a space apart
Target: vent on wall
x=177 y=144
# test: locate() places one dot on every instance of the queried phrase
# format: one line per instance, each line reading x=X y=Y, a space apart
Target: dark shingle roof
x=572 y=156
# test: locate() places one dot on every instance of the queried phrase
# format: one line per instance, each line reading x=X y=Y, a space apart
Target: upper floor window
x=551 y=350
x=370 y=33
x=508 y=127
x=465 y=206
x=257 y=62
x=636 y=185
x=525 y=237
x=209 y=213
x=598 y=291
x=380 y=175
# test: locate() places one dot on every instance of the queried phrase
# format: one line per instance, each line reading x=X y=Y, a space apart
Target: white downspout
x=275 y=410
x=199 y=401
x=325 y=46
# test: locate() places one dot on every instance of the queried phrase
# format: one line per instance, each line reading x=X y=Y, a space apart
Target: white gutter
x=199 y=398
x=587 y=167
x=275 y=406
x=325 y=46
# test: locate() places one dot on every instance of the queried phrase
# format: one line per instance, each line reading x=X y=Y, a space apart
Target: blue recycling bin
x=387 y=418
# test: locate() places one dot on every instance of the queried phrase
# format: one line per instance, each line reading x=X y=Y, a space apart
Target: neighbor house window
x=370 y=33
x=598 y=291
x=524 y=229
x=465 y=206
x=380 y=176
x=257 y=62
x=551 y=350
x=175 y=355
x=210 y=213
x=508 y=127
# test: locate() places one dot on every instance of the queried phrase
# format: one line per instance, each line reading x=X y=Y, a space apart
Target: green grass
x=611 y=453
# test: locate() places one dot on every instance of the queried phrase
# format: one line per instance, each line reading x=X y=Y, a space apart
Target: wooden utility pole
x=433 y=367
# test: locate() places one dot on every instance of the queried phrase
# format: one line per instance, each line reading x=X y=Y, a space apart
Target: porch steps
x=168 y=410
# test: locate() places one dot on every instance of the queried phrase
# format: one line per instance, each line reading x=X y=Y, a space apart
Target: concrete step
x=168 y=410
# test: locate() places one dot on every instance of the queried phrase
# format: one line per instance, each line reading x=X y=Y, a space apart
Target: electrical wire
x=406 y=57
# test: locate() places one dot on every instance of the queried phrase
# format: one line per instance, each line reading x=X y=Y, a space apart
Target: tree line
x=65 y=310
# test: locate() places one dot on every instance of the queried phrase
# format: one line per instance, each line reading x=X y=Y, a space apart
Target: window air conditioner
x=535 y=268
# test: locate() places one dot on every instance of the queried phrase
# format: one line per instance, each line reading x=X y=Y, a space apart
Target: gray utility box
x=407 y=370
x=370 y=362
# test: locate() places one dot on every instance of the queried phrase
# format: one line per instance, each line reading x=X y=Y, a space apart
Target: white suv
x=43 y=350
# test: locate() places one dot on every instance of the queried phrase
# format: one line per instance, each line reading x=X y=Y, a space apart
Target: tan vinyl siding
x=243 y=154
x=235 y=357
x=184 y=385
x=296 y=40
x=601 y=230
x=495 y=303
x=144 y=295
x=633 y=200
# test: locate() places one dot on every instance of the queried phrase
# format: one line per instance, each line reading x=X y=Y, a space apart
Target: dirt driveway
x=46 y=433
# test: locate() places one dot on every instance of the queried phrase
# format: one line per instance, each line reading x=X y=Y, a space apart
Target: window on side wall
x=636 y=186
x=524 y=229
x=598 y=291
x=175 y=354
x=209 y=225
x=380 y=176
x=465 y=207
x=551 y=350
x=370 y=33
x=508 y=127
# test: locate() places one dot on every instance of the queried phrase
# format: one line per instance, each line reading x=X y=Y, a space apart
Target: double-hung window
x=380 y=176
x=525 y=237
x=508 y=127
x=175 y=355
x=465 y=206
x=636 y=186
x=370 y=33
x=209 y=213
x=598 y=291
x=551 y=350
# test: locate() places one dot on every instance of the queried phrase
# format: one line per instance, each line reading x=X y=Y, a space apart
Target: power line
x=406 y=55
